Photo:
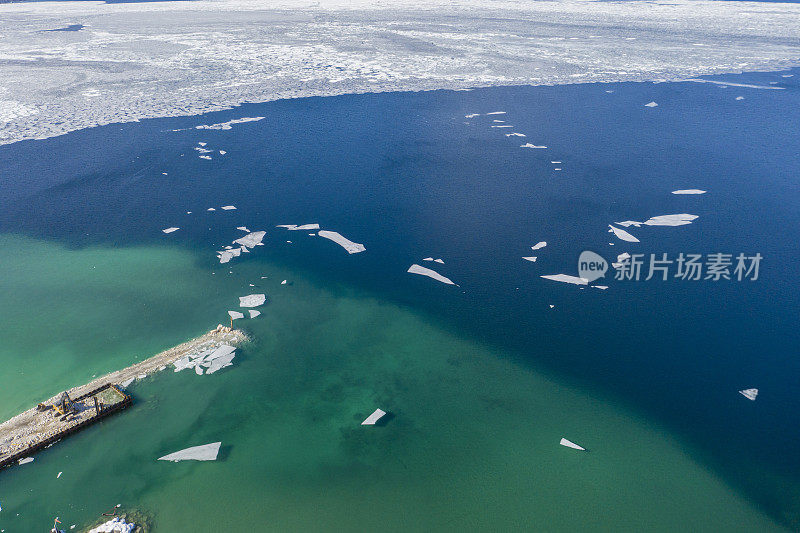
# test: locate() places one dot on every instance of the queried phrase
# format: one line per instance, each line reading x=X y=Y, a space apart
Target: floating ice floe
x=497 y=113
x=252 y=300
x=295 y=227
x=556 y=162
x=739 y=98
x=206 y=452
x=251 y=240
x=204 y=157
x=228 y=207
x=115 y=525
x=59 y=475
x=202 y=143
x=253 y=313
x=170 y=230
x=440 y=261
x=502 y=126
x=227 y=125
x=25 y=461
x=532 y=258
x=347 y=244
x=374 y=417
x=750 y=394
x=422 y=271
x=628 y=223
x=498 y=121
x=651 y=104
x=243 y=228
x=601 y=287
x=566 y=278
x=538 y=245
x=472 y=115
x=622 y=234
x=680 y=219
x=283 y=282
x=689 y=191
x=222 y=152
x=531 y=145
x=515 y=135
x=570 y=444
x=235 y=315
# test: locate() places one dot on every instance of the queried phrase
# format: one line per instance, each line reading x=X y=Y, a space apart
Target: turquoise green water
x=473 y=445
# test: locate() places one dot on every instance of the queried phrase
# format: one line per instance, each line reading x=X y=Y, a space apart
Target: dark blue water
x=407 y=175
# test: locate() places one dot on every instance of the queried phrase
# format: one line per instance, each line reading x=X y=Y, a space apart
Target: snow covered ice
x=347 y=244
x=252 y=300
x=374 y=417
x=206 y=452
x=422 y=271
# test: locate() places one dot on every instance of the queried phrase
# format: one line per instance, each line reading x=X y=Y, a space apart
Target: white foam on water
x=532 y=258
x=228 y=207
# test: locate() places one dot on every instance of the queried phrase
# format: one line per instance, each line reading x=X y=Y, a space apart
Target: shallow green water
x=473 y=445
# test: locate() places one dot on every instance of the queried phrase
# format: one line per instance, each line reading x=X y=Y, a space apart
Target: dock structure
x=79 y=407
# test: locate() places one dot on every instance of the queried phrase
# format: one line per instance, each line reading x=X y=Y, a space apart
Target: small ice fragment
x=651 y=104
x=531 y=145
x=206 y=452
x=428 y=259
x=422 y=271
x=170 y=230
x=622 y=234
x=304 y=227
x=740 y=98
x=350 y=246
x=198 y=370
x=222 y=152
x=570 y=444
x=497 y=113
x=202 y=144
x=750 y=394
x=235 y=315
x=210 y=209
x=59 y=475
x=25 y=461
x=472 y=115
x=252 y=300
x=374 y=417
x=253 y=313
x=628 y=223
x=538 y=245
x=440 y=261
x=556 y=162
x=502 y=126
x=228 y=207
x=515 y=135
x=532 y=258
x=671 y=220
x=283 y=282
x=243 y=228
x=601 y=287
x=205 y=157
x=498 y=121
x=565 y=278
x=689 y=191
x=556 y=169
x=290 y=242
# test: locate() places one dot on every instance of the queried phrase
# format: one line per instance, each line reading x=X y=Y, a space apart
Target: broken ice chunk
x=532 y=258
x=622 y=234
x=170 y=230
x=373 y=418
x=651 y=104
x=531 y=145
x=228 y=207
x=538 y=245
x=25 y=461
x=750 y=394
x=253 y=313
x=235 y=315
x=243 y=228
x=680 y=219
x=252 y=300
x=497 y=113
x=689 y=191
x=422 y=271
x=515 y=134
x=251 y=239
x=570 y=444
x=566 y=278
x=350 y=246
x=206 y=452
